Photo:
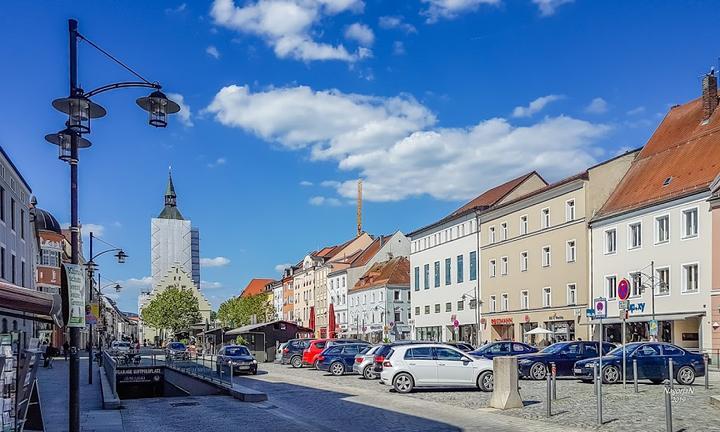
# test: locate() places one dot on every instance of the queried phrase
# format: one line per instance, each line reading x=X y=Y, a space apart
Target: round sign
x=623 y=289
x=599 y=306
x=456 y=323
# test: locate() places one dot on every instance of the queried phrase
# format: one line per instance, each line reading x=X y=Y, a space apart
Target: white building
x=277 y=292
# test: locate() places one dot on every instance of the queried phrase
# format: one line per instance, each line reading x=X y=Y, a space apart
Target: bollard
x=671 y=373
x=707 y=372
x=549 y=395
x=598 y=375
x=668 y=407
x=232 y=373
x=635 y=376
x=554 y=382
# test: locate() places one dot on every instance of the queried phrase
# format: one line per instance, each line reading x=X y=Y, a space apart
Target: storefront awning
x=645 y=318
x=30 y=304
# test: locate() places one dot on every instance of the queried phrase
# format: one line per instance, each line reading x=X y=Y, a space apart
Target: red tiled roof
x=681 y=149
x=256 y=286
x=395 y=271
x=492 y=196
x=369 y=251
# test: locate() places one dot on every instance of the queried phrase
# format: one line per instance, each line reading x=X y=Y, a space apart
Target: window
x=572 y=294
x=569 y=210
x=396 y=295
x=448 y=354
x=662 y=229
x=635 y=284
x=493 y=304
x=473 y=303
x=437 y=274
x=611 y=287
x=491 y=235
x=492 y=268
x=437 y=307
x=690 y=222
x=427 y=309
x=663 y=281
x=545 y=218
x=547 y=297
x=460 y=305
x=22 y=273
x=546 y=256
x=417 y=310
x=419 y=354
x=2 y=204
x=459 y=269
x=504 y=266
x=504 y=302
x=524 y=300
x=503 y=231
x=426 y=280
x=523 y=224
x=448 y=273
x=523 y=261
x=610 y=241
x=12 y=214
x=690 y=278
x=22 y=224
x=473 y=265
x=12 y=268
x=670 y=350
x=417 y=278
x=2 y=263
x=448 y=307
x=570 y=251
x=634 y=235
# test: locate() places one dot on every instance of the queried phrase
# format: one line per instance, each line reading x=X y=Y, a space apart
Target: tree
x=175 y=309
x=238 y=311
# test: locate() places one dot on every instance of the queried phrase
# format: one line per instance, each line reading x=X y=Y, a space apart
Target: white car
x=120 y=347
x=434 y=365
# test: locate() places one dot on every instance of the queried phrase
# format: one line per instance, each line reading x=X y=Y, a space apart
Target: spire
x=170 y=211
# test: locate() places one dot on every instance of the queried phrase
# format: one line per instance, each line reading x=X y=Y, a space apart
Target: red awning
x=312 y=318
x=30 y=304
x=331 y=322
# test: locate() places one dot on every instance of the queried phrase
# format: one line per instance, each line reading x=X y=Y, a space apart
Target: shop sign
x=501 y=321
x=556 y=317
x=636 y=307
x=138 y=375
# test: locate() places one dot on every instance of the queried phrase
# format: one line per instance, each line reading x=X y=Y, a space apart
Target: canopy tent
x=539 y=331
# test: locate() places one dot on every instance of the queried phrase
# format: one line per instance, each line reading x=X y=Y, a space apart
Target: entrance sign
x=75 y=277
x=623 y=289
x=600 y=304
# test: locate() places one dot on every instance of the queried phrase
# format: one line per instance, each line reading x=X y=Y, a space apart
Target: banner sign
x=138 y=375
x=76 y=294
x=92 y=312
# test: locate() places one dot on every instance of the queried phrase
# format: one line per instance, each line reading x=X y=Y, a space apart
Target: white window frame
x=606 y=250
x=657 y=229
x=631 y=279
x=504 y=266
x=547 y=297
x=607 y=287
x=658 y=269
x=683 y=268
x=545 y=223
x=570 y=208
x=493 y=303
x=524 y=299
x=524 y=261
x=549 y=256
x=571 y=257
x=575 y=293
x=630 y=237
x=524 y=224
x=503 y=231
x=684 y=234
x=504 y=302
x=491 y=234
x=492 y=268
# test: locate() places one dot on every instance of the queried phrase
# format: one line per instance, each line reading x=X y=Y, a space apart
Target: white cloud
x=217 y=162
x=636 y=110
x=597 y=106
x=185 y=112
x=548 y=7
x=87 y=228
x=209 y=285
x=287 y=25
x=450 y=9
x=398 y=48
x=394 y=145
x=324 y=201
x=213 y=52
x=396 y=22
x=535 y=106
x=330 y=183
x=143 y=282
x=281 y=267
x=306 y=183
x=360 y=33
x=180 y=8
x=214 y=262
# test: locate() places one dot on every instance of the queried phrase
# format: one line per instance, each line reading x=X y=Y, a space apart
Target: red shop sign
x=500 y=321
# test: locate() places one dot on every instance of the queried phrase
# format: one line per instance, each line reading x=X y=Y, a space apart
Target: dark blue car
x=338 y=359
x=496 y=349
x=563 y=354
x=652 y=363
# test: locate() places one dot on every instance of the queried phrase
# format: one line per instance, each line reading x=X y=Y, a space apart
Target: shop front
x=683 y=330
x=565 y=325
x=562 y=326
x=429 y=334
x=502 y=328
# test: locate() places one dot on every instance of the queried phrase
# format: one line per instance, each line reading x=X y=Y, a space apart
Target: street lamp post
x=80 y=109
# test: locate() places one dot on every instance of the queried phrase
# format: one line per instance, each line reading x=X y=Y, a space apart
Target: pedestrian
x=66 y=349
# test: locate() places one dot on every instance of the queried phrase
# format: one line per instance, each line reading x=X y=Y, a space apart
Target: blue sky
x=288 y=102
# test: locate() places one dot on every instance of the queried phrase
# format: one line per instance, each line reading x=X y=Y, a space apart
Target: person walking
x=66 y=349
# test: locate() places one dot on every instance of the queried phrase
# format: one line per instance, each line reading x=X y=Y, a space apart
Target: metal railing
x=110 y=365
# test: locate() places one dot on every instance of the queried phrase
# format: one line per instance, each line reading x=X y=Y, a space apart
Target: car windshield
x=177 y=346
x=629 y=348
x=122 y=344
x=237 y=351
x=554 y=348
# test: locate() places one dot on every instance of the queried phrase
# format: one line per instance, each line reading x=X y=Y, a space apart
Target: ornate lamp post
x=80 y=109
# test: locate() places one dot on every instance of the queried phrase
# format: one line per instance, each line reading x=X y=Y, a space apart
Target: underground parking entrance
x=161 y=381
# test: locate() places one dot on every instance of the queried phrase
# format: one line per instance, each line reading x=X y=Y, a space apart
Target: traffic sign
x=600 y=304
x=623 y=305
x=623 y=289
x=456 y=323
x=590 y=312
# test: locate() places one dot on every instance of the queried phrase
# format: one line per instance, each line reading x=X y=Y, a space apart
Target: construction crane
x=359 y=207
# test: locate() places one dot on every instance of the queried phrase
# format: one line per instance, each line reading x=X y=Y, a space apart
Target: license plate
x=242 y=367
x=577 y=370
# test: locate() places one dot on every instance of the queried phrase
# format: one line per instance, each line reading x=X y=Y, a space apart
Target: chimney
x=709 y=94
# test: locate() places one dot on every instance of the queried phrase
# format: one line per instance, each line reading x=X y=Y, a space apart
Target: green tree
x=175 y=309
x=238 y=311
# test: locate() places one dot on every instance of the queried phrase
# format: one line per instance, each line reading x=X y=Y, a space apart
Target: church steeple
x=170 y=211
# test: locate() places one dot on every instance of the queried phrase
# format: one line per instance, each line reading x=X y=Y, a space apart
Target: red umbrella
x=312 y=318
x=331 y=321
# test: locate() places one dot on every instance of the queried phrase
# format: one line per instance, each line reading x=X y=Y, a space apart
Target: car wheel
x=485 y=381
x=610 y=375
x=368 y=373
x=685 y=375
x=538 y=371
x=403 y=383
x=337 y=369
x=296 y=362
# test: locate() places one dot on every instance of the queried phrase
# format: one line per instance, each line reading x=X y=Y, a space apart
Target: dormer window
x=667 y=181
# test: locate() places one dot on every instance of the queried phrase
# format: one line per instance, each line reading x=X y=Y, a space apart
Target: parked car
x=279 y=352
x=176 y=351
x=363 y=364
x=293 y=352
x=563 y=354
x=384 y=349
x=434 y=365
x=339 y=358
x=235 y=359
x=120 y=348
x=316 y=346
x=462 y=346
x=506 y=348
x=652 y=363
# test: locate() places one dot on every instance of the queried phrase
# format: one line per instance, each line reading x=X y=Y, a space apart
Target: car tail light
x=285 y=350
x=379 y=359
x=387 y=364
x=358 y=359
x=320 y=358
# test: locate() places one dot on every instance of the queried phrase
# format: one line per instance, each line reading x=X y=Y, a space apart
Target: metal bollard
x=671 y=373
x=553 y=371
x=707 y=372
x=548 y=404
x=635 y=375
x=598 y=376
x=668 y=407
x=232 y=373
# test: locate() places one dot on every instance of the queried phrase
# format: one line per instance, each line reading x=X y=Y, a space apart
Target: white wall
x=171 y=244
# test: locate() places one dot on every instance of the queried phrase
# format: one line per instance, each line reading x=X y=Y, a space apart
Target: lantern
x=158 y=107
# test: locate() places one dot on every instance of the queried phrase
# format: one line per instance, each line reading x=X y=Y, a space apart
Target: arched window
x=15 y=325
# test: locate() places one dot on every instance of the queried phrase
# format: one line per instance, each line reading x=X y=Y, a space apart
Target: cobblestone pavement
x=575 y=407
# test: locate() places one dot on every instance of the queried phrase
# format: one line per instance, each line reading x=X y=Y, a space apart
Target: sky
x=286 y=103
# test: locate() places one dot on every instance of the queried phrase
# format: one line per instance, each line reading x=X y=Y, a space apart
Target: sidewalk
x=53 y=385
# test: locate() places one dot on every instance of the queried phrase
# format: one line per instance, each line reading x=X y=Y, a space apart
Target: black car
x=235 y=359
x=563 y=354
x=384 y=350
x=293 y=352
x=504 y=348
x=462 y=346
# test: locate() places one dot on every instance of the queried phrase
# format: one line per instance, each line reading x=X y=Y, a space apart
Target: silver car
x=363 y=364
